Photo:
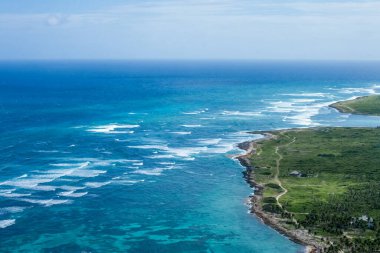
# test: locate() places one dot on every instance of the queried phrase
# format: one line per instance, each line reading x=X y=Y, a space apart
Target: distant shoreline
x=365 y=105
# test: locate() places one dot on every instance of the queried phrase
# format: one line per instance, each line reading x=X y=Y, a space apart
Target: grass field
x=337 y=181
x=369 y=105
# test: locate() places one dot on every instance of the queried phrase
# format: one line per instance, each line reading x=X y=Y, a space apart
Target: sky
x=190 y=29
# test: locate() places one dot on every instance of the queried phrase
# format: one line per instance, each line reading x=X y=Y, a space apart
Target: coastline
x=346 y=110
x=300 y=236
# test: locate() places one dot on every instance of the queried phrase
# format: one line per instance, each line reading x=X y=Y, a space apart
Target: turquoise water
x=133 y=156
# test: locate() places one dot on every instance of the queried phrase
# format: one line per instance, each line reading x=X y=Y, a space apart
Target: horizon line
x=184 y=60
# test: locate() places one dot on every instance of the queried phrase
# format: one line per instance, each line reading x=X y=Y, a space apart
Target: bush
x=273 y=185
x=272 y=208
x=269 y=200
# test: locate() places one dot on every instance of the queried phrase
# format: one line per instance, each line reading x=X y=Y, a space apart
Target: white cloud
x=54 y=20
x=210 y=9
x=204 y=29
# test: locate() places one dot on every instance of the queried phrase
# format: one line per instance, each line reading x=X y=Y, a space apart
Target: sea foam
x=45 y=202
x=72 y=194
x=181 y=132
x=7 y=223
x=186 y=151
x=239 y=113
x=307 y=94
x=153 y=172
x=112 y=129
x=370 y=90
x=299 y=112
x=194 y=112
x=11 y=209
x=209 y=141
x=96 y=184
x=191 y=126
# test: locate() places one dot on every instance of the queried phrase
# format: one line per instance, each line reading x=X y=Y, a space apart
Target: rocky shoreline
x=312 y=243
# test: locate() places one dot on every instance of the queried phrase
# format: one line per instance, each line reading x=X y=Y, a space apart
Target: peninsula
x=369 y=105
x=320 y=186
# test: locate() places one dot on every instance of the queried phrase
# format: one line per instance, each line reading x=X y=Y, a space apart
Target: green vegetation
x=363 y=105
x=326 y=180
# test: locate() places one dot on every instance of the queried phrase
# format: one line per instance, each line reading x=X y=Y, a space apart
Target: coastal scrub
x=323 y=181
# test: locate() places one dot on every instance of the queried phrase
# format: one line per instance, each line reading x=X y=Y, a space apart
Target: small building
x=368 y=220
x=295 y=173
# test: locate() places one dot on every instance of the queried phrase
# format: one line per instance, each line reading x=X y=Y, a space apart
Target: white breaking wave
x=194 y=112
x=44 y=188
x=26 y=183
x=70 y=188
x=119 y=140
x=300 y=119
x=209 y=141
x=305 y=113
x=161 y=156
x=38 y=181
x=96 y=184
x=186 y=151
x=281 y=106
x=46 y=202
x=154 y=172
x=159 y=147
x=14 y=195
x=192 y=126
x=134 y=113
x=77 y=171
x=298 y=113
x=133 y=167
x=66 y=164
x=181 y=133
x=305 y=94
x=166 y=163
x=99 y=162
x=12 y=209
x=374 y=89
x=87 y=173
x=371 y=90
x=7 y=190
x=72 y=194
x=7 y=223
x=112 y=129
x=222 y=148
x=239 y=113
x=189 y=158
x=127 y=181
x=303 y=100
x=47 y=151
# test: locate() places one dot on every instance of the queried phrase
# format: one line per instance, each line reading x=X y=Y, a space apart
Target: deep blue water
x=133 y=156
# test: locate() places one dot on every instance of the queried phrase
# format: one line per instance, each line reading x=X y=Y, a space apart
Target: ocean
x=134 y=156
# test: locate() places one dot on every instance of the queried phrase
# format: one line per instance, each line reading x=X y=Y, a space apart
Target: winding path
x=349 y=109
x=276 y=179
